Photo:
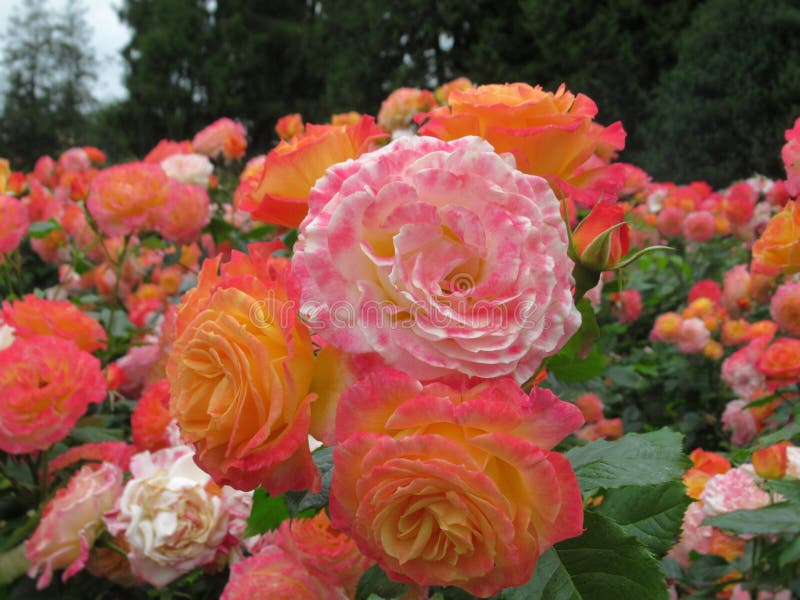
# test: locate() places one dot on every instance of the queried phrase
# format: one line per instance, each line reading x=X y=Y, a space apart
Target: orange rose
x=60 y=318
x=550 y=134
x=289 y=126
x=292 y=168
x=779 y=244
x=240 y=373
x=781 y=362
x=602 y=238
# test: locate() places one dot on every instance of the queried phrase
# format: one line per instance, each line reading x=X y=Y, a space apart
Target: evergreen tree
x=720 y=113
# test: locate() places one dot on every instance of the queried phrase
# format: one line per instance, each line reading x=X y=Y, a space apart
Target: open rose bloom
x=439 y=256
x=454 y=485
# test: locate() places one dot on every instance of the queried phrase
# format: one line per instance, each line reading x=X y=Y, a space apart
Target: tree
x=50 y=66
x=720 y=112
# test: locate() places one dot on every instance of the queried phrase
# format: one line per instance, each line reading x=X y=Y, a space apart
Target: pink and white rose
x=172 y=515
x=71 y=522
x=439 y=256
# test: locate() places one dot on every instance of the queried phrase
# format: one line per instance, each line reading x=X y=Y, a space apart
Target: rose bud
x=602 y=238
x=770 y=462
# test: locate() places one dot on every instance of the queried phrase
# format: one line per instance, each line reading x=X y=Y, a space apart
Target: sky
x=109 y=37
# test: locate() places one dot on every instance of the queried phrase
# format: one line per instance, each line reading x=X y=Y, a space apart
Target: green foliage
x=652 y=514
x=603 y=563
x=720 y=112
x=634 y=460
x=267 y=513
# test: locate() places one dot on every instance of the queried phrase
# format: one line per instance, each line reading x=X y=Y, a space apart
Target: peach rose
x=550 y=134
x=224 y=137
x=439 y=256
x=453 y=485
x=779 y=244
x=13 y=223
x=37 y=316
x=292 y=168
x=46 y=384
x=275 y=573
x=125 y=198
x=240 y=373
x=71 y=522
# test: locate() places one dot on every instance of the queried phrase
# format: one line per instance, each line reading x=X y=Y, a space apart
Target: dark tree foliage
x=48 y=70
x=720 y=113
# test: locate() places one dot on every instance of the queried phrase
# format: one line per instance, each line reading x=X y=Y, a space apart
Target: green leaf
x=579 y=360
x=577 y=370
x=601 y=564
x=635 y=459
x=652 y=514
x=375 y=583
x=267 y=513
x=789 y=488
x=305 y=503
x=41 y=229
x=153 y=242
x=780 y=518
x=790 y=553
x=785 y=433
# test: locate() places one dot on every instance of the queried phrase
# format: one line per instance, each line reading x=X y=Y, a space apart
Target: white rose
x=188 y=168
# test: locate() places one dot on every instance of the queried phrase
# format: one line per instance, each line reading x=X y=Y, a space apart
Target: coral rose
x=125 y=198
x=150 y=419
x=780 y=362
x=289 y=126
x=328 y=554
x=276 y=574
x=171 y=515
x=779 y=244
x=37 y=316
x=550 y=134
x=453 y=485
x=46 y=384
x=71 y=522
x=292 y=168
x=13 y=223
x=440 y=257
x=166 y=148
x=224 y=137
x=240 y=373
x=184 y=213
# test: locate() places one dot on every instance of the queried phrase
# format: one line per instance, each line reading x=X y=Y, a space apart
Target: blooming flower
x=240 y=372
x=188 y=168
x=170 y=515
x=224 y=137
x=453 y=485
x=46 y=384
x=779 y=244
x=733 y=490
x=71 y=522
x=13 y=223
x=292 y=168
x=275 y=573
x=785 y=307
x=551 y=134
x=440 y=257
x=37 y=316
x=125 y=198
x=398 y=110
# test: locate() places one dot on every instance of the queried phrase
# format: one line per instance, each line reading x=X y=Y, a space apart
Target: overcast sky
x=109 y=37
